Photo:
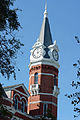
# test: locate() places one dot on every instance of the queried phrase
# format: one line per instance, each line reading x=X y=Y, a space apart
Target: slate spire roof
x=45 y=35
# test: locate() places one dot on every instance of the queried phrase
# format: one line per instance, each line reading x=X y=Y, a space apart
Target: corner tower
x=43 y=75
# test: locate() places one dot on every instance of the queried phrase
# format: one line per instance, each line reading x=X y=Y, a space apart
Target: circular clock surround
x=37 y=52
x=55 y=55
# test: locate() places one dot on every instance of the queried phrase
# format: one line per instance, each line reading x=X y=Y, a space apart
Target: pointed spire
x=45 y=34
x=45 y=12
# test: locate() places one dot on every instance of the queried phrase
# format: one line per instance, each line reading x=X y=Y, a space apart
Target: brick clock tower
x=43 y=75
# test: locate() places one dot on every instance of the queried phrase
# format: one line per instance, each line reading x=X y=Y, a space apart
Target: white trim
x=46 y=74
x=23 y=98
x=45 y=102
x=44 y=62
x=25 y=103
x=32 y=75
x=42 y=74
x=20 y=102
x=47 y=94
x=8 y=99
x=17 y=118
x=25 y=114
x=21 y=93
x=16 y=95
x=11 y=109
x=26 y=91
x=8 y=93
x=24 y=88
x=17 y=86
x=20 y=98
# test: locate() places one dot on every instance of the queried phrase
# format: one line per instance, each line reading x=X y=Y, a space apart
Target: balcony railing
x=34 y=88
x=56 y=91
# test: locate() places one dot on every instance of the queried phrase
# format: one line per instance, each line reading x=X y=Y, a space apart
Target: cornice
x=44 y=62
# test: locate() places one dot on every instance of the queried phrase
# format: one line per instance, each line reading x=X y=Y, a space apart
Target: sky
x=64 y=19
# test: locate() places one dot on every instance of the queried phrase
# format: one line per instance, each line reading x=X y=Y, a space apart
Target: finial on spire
x=46 y=5
x=45 y=12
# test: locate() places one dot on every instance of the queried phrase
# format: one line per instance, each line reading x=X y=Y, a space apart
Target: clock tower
x=43 y=74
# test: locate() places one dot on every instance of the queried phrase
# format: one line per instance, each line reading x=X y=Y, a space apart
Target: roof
x=16 y=86
x=45 y=34
x=13 y=86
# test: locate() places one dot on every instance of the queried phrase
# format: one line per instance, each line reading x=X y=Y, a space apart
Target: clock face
x=37 y=52
x=55 y=55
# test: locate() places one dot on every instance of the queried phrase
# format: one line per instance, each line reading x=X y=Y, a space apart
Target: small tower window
x=16 y=103
x=55 y=80
x=26 y=103
x=23 y=107
x=45 y=107
x=36 y=78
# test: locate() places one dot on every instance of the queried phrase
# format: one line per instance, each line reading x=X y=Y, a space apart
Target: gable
x=22 y=89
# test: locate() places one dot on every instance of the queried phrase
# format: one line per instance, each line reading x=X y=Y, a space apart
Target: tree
x=4 y=113
x=75 y=97
x=9 y=44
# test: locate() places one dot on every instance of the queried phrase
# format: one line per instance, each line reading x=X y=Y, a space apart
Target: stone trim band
x=47 y=102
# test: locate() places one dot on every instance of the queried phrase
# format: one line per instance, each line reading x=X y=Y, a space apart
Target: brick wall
x=46 y=85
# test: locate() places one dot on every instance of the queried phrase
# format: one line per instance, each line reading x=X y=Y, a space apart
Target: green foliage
x=9 y=44
x=8 y=16
x=1 y=91
x=4 y=112
x=75 y=97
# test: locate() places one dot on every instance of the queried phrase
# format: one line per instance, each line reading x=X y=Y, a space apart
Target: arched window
x=16 y=103
x=23 y=107
x=36 y=78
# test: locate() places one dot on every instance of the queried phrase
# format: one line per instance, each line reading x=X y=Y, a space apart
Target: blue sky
x=64 y=19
